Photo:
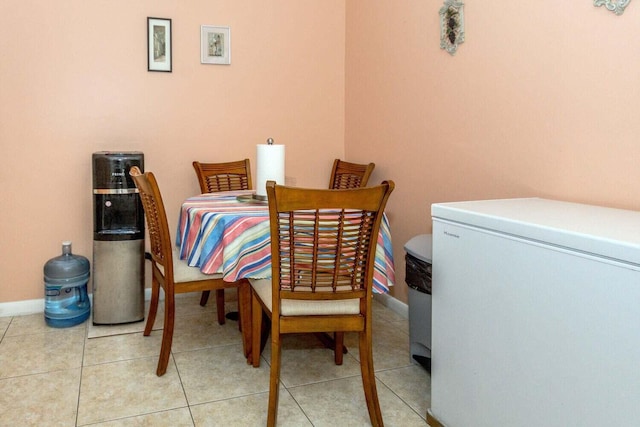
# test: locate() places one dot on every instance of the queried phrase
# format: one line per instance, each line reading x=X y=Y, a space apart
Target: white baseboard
x=395 y=305
x=34 y=306
x=20 y=308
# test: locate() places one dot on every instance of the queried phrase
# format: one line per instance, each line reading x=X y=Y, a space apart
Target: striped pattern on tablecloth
x=220 y=234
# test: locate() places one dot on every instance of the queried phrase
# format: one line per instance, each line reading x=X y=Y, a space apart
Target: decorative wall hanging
x=616 y=6
x=452 y=25
x=215 y=45
x=159 y=44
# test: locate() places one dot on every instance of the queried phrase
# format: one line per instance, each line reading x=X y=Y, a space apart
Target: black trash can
x=418 y=278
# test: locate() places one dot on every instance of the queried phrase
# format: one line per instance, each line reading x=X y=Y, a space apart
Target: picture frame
x=451 y=25
x=215 y=45
x=159 y=47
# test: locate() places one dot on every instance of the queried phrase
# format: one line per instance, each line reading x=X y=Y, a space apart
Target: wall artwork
x=215 y=45
x=159 y=44
x=451 y=25
x=616 y=6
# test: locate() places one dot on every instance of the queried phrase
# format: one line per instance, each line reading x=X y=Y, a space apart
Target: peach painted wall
x=74 y=80
x=541 y=100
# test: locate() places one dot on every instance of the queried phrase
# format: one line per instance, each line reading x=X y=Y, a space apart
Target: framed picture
x=159 y=44
x=215 y=45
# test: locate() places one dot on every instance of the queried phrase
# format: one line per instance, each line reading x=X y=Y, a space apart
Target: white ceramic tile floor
x=105 y=376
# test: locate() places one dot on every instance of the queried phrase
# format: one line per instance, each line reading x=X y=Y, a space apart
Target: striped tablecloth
x=220 y=234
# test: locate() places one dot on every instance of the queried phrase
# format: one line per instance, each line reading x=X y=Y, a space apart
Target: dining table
x=228 y=233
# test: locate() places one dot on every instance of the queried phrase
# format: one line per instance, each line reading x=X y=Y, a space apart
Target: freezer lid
x=607 y=232
x=420 y=247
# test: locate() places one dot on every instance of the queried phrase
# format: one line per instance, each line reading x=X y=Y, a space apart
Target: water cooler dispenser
x=118 y=240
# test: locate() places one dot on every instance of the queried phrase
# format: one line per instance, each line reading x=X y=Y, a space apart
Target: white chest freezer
x=536 y=314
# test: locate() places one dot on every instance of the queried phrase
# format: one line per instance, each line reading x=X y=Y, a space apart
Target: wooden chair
x=349 y=175
x=169 y=271
x=323 y=246
x=228 y=176
x=216 y=177
x=345 y=175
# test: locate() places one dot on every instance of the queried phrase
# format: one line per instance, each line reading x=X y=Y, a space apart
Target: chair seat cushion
x=183 y=272
x=289 y=307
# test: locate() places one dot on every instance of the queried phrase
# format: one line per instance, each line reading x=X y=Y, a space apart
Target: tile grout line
x=184 y=391
x=84 y=346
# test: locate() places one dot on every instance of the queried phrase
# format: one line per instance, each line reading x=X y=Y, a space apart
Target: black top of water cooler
x=111 y=169
x=118 y=213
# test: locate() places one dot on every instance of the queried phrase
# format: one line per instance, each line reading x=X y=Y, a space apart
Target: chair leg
x=220 y=305
x=256 y=329
x=153 y=306
x=167 y=334
x=274 y=377
x=204 y=298
x=338 y=351
x=369 y=380
x=239 y=290
x=244 y=312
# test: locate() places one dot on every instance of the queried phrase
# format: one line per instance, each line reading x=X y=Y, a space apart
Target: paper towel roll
x=270 y=166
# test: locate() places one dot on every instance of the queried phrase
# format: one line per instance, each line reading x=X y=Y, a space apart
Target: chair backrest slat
x=157 y=225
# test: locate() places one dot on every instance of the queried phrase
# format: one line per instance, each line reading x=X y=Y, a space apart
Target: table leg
x=327 y=340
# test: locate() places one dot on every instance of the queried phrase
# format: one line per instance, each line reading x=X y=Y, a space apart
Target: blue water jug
x=65 y=285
